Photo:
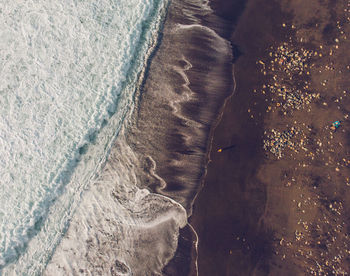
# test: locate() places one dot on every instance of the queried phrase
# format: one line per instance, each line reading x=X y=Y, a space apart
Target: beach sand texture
x=277 y=202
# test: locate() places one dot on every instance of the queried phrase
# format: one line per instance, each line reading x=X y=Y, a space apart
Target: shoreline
x=193 y=66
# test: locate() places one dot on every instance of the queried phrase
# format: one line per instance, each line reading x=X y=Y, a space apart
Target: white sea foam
x=66 y=68
x=119 y=229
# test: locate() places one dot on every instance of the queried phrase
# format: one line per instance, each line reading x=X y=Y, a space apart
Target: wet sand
x=259 y=213
x=187 y=81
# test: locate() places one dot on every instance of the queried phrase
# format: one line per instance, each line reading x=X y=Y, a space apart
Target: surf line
x=195 y=246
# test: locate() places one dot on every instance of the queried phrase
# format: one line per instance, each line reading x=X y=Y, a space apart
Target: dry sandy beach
x=277 y=202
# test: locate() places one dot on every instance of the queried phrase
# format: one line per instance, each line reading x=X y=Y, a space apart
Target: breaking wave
x=69 y=72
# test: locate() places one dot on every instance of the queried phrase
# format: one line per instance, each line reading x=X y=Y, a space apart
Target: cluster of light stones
x=277 y=141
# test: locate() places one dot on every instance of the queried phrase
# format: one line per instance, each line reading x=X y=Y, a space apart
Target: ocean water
x=69 y=71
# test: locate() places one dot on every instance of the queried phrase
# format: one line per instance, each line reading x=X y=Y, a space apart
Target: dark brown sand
x=228 y=208
x=262 y=215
